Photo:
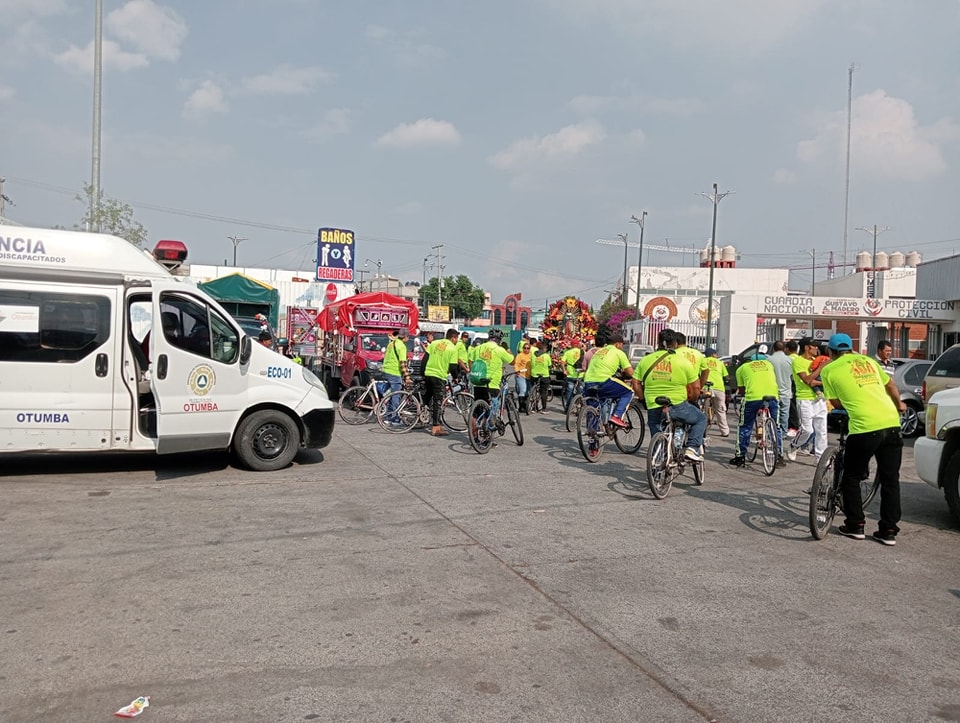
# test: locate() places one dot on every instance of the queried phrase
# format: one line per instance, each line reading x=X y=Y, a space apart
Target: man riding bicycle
x=664 y=373
x=494 y=356
x=611 y=375
x=756 y=379
x=857 y=383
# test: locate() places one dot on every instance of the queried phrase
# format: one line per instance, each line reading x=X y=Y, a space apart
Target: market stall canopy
x=243 y=296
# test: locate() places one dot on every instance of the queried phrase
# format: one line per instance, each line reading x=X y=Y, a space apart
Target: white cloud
x=747 y=26
x=205 y=101
x=80 y=60
x=424 y=132
x=886 y=140
x=565 y=143
x=155 y=30
x=335 y=122
x=287 y=80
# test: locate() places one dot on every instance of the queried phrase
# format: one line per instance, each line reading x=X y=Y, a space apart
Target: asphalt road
x=406 y=578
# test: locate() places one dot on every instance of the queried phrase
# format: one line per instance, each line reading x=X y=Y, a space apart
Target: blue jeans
x=396 y=384
x=748 y=416
x=683 y=412
x=569 y=387
x=784 y=417
x=612 y=390
x=523 y=386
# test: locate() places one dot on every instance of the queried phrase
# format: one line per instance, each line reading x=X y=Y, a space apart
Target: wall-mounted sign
x=336 y=255
x=798 y=306
x=438 y=313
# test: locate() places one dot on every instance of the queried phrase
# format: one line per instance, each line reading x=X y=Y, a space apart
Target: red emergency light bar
x=170 y=254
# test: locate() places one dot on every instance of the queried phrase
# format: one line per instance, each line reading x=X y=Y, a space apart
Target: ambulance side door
x=198 y=383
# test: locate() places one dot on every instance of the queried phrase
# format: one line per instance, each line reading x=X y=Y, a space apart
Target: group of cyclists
x=686 y=377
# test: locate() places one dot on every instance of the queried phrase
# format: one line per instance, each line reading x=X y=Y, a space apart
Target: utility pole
x=641 y=222
x=714 y=198
x=846 y=196
x=439 y=249
x=4 y=200
x=874 y=231
x=236 y=242
x=94 y=224
x=624 y=290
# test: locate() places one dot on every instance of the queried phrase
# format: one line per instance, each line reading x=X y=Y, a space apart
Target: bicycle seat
x=770 y=399
x=592 y=392
x=663 y=401
x=482 y=383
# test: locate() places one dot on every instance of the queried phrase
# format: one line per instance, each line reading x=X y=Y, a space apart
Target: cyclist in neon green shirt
x=714 y=371
x=443 y=353
x=573 y=369
x=665 y=373
x=494 y=356
x=395 y=369
x=604 y=364
x=756 y=380
x=540 y=372
x=857 y=383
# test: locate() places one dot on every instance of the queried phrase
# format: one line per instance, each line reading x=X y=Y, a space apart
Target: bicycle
x=576 y=403
x=486 y=419
x=665 y=460
x=535 y=402
x=357 y=404
x=594 y=428
x=826 y=494
x=765 y=438
x=411 y=411
x=705 y=405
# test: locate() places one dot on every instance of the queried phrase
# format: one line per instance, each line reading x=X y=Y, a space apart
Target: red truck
x=355 y=334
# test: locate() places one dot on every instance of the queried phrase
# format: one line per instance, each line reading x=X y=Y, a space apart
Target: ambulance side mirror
x=246 y=348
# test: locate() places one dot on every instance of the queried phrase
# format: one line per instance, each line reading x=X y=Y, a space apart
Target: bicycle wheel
x=658 y=458
x=533 y=401
x=697 y=472
x=588 y=433
x=769 y=446
x=478 y=423
x=757 y=440
x=869 y=484
x=408 y=411
x=356 y=405
x=549 y=394
x=823 y=495
x=573 y=411
x=453 y=413
x=629 y=439
x=513 y=418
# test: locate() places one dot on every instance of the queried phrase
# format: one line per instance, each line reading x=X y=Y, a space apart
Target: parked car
x=944 y=374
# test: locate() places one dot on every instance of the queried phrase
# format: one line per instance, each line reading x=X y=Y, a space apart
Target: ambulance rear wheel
x=266 y=441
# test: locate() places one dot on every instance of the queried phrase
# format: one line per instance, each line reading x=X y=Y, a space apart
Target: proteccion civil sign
x=336 y=255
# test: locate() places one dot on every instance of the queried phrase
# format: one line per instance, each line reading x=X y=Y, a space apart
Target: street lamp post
x=236 y=242
x=714 y=198
x=641 y=222
x=874 y=231
x=379 y=263
x=624 y=292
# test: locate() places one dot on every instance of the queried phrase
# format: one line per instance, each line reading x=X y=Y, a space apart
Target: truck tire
x=951 y=486
x=332 y=384
x=266 y=441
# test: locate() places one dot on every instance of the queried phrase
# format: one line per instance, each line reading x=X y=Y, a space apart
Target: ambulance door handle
x=162 y=367
x=101 y=365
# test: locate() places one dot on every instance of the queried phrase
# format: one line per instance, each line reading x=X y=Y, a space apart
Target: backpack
x=478 y=371
x=578 y=364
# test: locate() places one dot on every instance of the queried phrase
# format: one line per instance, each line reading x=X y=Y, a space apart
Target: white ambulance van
x=103 y=349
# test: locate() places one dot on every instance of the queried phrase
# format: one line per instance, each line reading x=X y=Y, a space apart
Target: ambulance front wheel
x=266 y=440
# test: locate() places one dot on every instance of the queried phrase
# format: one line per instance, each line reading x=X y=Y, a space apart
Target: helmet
x=762 y=349
x=840 y=342
x=495 y=335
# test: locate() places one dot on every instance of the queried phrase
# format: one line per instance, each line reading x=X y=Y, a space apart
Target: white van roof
x=52 y=249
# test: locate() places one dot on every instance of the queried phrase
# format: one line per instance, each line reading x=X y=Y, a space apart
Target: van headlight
x=312 y=379
x=930 y=421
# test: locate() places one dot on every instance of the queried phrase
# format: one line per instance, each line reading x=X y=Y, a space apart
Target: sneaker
x=693 y=455
x=780 y=462
x=791 y=432
x=792 y=454
x=618 y=422
x=737 y=461
x=885 y=538
x=854 y=533
x=439 y=432
x=724 y=434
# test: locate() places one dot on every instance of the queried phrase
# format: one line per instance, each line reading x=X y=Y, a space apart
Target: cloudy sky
x=514 y=133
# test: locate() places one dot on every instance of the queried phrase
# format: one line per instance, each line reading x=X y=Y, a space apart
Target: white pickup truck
x=937 y=454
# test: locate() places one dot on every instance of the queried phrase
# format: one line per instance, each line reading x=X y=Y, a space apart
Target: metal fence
x=645 y=331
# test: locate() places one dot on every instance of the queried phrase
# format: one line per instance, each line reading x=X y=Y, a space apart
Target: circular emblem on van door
x=201 y=380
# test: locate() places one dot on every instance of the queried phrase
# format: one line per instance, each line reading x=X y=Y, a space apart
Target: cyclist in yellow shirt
x=713 y=370
x=857 y=383
x=442 y=353
x=756 y=379
x=573 y=370
x=611 y=374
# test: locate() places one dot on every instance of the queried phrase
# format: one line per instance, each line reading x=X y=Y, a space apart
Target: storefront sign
x=832 y=306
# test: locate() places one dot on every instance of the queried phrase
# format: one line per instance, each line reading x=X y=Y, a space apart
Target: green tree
x=464 y=299
x=111 y=216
